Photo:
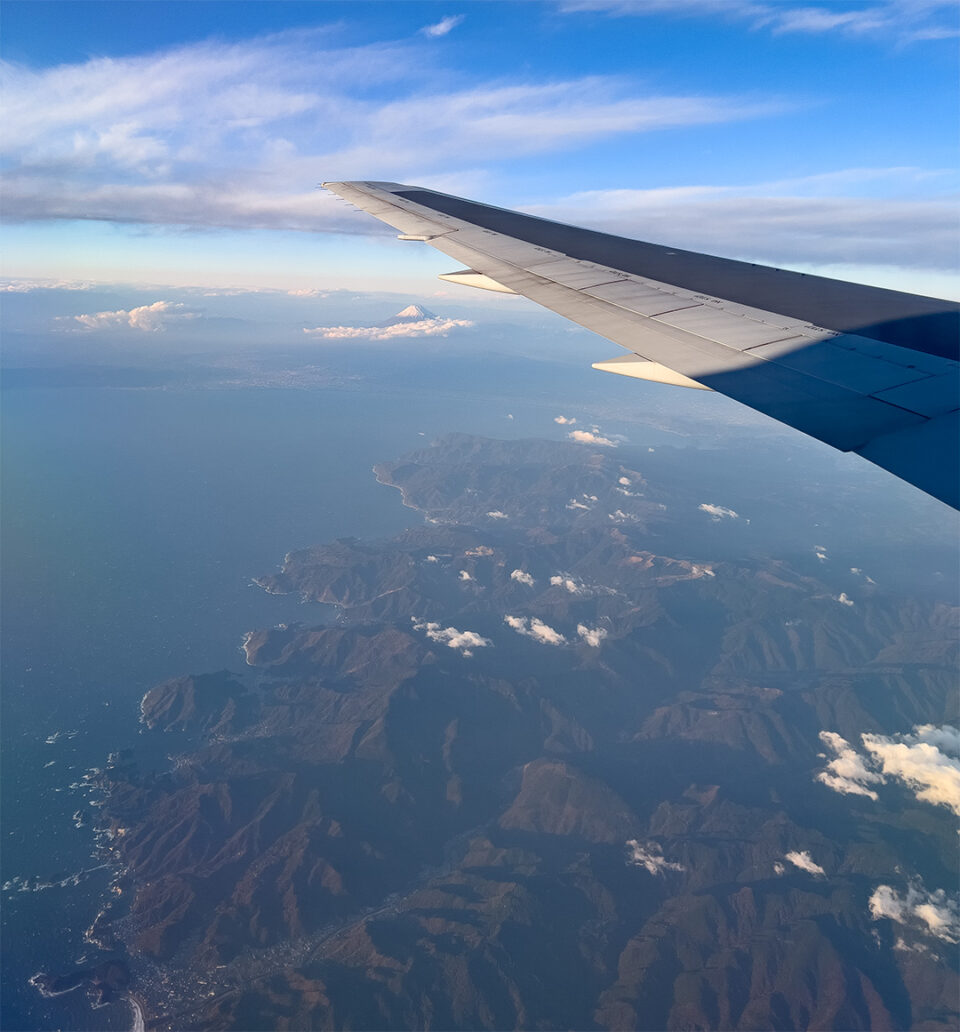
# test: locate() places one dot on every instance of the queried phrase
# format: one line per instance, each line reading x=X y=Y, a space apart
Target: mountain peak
x=414 y=312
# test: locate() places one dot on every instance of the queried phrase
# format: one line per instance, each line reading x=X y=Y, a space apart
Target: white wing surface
x=864 y=369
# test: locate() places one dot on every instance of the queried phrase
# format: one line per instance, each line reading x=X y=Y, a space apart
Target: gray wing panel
x=860 y=368
x=926 y=324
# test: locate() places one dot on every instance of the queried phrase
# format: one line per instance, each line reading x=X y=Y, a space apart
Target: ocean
x=133 y=522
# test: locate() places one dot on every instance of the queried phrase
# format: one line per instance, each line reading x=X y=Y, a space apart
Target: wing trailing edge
x=861 y=368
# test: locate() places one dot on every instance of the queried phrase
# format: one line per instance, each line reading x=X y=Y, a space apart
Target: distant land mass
x=553 y=767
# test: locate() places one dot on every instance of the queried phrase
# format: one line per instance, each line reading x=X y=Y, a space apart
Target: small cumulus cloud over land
x=649 y=856
x=932 y=913
x=926 y=761
x=591 y=437
x=465 y=641
x=718 y=512
x=535 y=628
x=803 y=860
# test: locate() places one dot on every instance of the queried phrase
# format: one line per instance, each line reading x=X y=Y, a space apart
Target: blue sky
x=181 y=143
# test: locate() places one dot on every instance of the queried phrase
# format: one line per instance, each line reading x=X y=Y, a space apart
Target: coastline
x=138 y=1007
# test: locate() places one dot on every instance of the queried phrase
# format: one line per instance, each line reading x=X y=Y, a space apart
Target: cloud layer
x=152 y=318
x=232 y=133
x=869 y=216
x=437 y=327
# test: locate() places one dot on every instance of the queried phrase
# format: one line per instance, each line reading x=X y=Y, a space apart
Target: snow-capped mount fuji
x=410 y=314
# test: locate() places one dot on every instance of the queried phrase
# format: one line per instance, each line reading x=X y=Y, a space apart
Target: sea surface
x=133 y=522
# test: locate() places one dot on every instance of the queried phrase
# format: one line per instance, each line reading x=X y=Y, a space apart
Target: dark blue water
x=133 y=521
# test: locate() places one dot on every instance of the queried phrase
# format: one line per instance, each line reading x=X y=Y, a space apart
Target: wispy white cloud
x=154 y=318
x=805 y=862
x=870 y=217
x=718 y=512
x=464 y=641
x=843 y=599
x=444 y=26
x=619 y=516
x=564 y=420
x=465 y=575
x=437 y=327
x=591 y=437
x=536 y=629
x=228 y=133
x=933 y=913
x=496 y=514
x=592 y=635
x=523 y=577
x=649 y=855
x=898 y=21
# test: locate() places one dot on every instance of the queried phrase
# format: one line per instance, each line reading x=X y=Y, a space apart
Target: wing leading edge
x=864 y=369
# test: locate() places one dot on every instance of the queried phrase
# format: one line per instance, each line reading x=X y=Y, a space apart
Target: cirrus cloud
x=884 y=19
x=444 y=26
x=229 y=134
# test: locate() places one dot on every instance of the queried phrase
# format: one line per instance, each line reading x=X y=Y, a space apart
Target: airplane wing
x=864 y=369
